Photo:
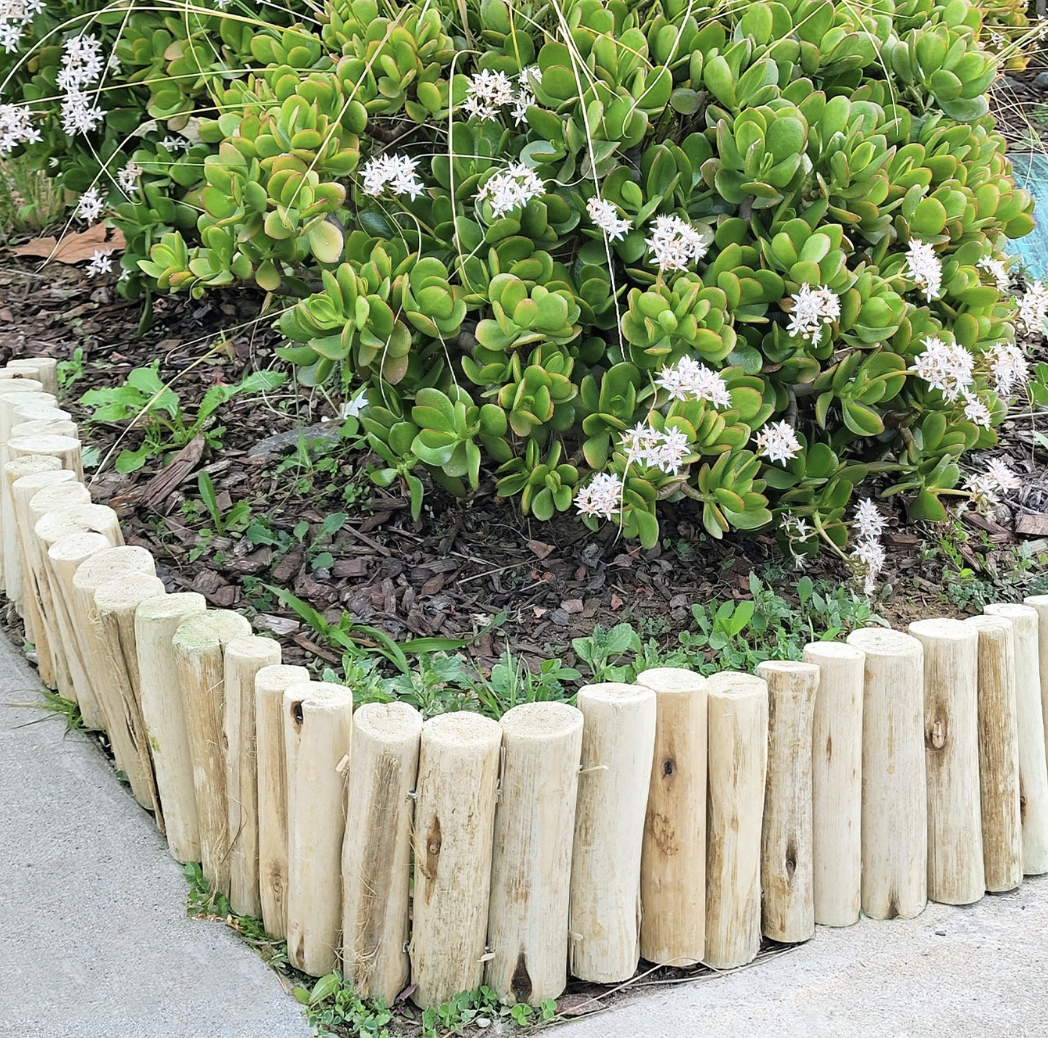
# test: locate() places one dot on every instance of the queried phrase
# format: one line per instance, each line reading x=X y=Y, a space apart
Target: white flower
x=100 y=264
x=127 y=178
x=947 y=368
x=79 y=115
x=352 y=408
x=986 y=487
x=1002 y=475
x=82 y=63
x=674 y=243
x=812 y=308
x=692 y=379
x=525 y=96
x=1033 y=308
x=16 y=127
x=512 y=189
x=606 y=217
x=997 y=270
x=639 y=440
x=601 y=497
x=174 y=143
x=90 y=205
x=976 y=411
x=221 y=4
x=1009 y=367
x=924 y=267
x=658 y=450
x=488 y=91
x=795 y=528
x=778 y=442
x=869 y=521
x=397 y=172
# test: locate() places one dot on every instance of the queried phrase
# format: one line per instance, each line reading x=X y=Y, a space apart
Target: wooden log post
x=618 y=746
x=787 y=855
x=104 y=658
x=376 y=852
x=156 y=620
x=837 y=782
x=951 y=738
x=738 y=766
x=37 y=407
x=244 y=658
x=1002 y=828
x=43 y=369
x=318 y=734
x=199 y=644
x=115 y=604
x=48 y=427
x=894 y=782
x=454 y=832
x=65 y=448
x=270 y=685
x=1030 y=722
x=1039 y=603
x=673 y=856
x=531 y=861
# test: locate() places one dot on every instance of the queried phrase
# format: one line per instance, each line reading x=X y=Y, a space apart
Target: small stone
x=560 y=617
x=1040 y=81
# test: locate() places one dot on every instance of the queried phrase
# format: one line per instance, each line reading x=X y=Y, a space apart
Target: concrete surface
x=94 y=937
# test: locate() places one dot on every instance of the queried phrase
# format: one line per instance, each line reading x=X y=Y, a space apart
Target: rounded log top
x=1023 y=614
x=251 y=647
x=316 y=697
x=76 y=547
x=103 y=566
x=787 y=667
x=33 y=463
x=125 y=592
x=170 y=607
x=990 y=622
x=42 y=477
x=44 y=443
x=460 y=730
x=279 y=676
x=388 y=720
x=73 y=518
x=37 y=407
x=942 y=629
x=211 y=630
x=731 y=684
x=671 y=680
x=614 y=693
x=541 y=720
x=1036 y=601
x=882 y=642
x=13 y=382
x=59 y=495
x=833 y=651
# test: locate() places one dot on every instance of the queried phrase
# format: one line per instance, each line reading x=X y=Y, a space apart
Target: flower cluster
x=606 y=217
x=489 y=92
x=665 y=450
x=1009 y=367
x=778 y=442
x=689 y=378
x=986 y=487
x=812 y=309
x=83 y=66
x=511 y=189
x=868 y=550
x=90 y=205
x=674 y=243
x=16 y=128
x=924 y=267
x=1033 y=308
x=948 y=368
x=397 y=172
x=15 y=16
x=100 y=264
x=998 y=271
x=601 y=497
x=127 y=178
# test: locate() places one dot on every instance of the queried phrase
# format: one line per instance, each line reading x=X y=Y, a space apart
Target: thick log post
x=1033 y=771
x=376 y=852
x=738 y=756
x=673 y=857
x=894 y=776
x=618 y=745
x=156 y=620
x=43 y=369
x=115 y=604
x=787 y=856
x=270 y=685
x=199 y=644
x=454 y=829
x=244 y=658
x=64 y=448
x=837 y=782
x=47 y=426
x=951 y=739
x=318 y=733
x=531 y=862
x=1002 y=827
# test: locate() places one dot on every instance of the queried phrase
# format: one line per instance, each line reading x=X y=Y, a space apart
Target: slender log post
x=951 y=738
x=43 y=369
x=270 y=685
x=787 y=857
x=199 y=644
x=894 y=779
x=57 y=496
x=47 y=427
x=60 y=522
x=115 y=604
x=673 y=857
x=104 y=659
x=376 y=852
x=156 y=620
x=318 y=734
x=1033 y=772
x=618 y=746
x=65 y=448
x=531 y=862
x=738 y=756
x=56 y=585
x=1039 y=603
x=37 y=407
x=454 y=831
x=837 y=782
x=1002 y=827
x=244 y=658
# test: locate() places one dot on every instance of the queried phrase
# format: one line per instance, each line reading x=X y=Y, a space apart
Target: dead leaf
x=616 y=603
x=75 y=247
x=540 y=548
x=572 y=605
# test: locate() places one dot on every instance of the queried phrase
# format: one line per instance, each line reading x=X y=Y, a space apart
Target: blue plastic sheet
x=1031 y=173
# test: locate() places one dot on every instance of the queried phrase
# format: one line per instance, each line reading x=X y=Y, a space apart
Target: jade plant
x=618 y=253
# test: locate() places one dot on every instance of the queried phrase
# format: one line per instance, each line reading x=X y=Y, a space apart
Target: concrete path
x=94 y=937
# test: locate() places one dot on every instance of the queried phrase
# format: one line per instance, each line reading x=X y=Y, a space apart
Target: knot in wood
x=937 y=732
